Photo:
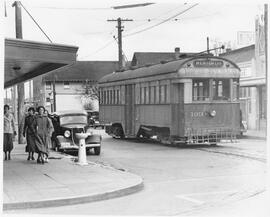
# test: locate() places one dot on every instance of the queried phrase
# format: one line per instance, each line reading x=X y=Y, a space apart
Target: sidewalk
x=27 y=184
x=254 y=134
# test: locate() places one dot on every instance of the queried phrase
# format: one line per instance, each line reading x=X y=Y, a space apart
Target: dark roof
x=83 y=70
x=243 y=54
x=144 y=58
x=157 y=69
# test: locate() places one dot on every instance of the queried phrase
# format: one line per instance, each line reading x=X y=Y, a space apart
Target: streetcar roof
x=156 y=69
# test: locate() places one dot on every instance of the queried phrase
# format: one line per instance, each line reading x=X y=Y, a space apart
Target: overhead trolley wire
x=166 y=20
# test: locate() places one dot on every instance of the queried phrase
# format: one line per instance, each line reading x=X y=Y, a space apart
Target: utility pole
x=266 y=52
x=54 y=94
x=120 y=29
x=20 y=86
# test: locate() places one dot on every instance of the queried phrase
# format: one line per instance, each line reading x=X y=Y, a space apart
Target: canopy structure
x=25 y=60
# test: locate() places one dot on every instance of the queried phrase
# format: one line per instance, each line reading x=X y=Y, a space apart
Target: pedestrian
x=50 y=132
x=43 y=127
x=29 y=133
x=9 y=132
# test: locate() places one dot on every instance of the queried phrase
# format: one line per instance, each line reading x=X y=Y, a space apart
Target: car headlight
x=213 y=113
x=67 y=133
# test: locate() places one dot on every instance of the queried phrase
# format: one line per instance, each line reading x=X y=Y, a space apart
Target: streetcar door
x=130 y=110
x=177 y=110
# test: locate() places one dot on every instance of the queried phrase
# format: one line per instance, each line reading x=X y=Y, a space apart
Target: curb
x=75 y=200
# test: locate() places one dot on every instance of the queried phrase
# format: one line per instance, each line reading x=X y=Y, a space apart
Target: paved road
x=187 y=181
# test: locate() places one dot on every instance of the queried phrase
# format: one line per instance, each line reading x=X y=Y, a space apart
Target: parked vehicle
x=93 y=119
x=192 y=100
x=66 y=125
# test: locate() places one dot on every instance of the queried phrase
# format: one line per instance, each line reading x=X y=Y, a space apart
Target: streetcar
x=192 y=100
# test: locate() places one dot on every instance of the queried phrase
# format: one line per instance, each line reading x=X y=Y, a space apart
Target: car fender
x=60 y=139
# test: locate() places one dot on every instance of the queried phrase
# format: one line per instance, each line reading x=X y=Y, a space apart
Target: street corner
x=63 y=182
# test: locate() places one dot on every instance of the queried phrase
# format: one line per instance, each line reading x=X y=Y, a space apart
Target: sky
x=83 y=23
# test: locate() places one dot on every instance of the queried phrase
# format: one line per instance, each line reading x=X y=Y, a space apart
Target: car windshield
x=73 y=119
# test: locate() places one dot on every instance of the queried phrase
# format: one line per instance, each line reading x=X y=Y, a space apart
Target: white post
x=82 y=151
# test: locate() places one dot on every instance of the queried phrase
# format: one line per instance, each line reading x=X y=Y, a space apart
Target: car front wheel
x=97 y=150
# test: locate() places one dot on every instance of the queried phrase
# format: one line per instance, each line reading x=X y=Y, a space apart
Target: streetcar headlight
x=213 y=113
x=67 y=133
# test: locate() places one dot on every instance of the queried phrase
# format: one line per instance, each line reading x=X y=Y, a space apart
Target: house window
x=66 y=85
x=48 y=85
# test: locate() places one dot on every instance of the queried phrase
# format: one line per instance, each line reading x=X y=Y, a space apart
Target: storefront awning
x=25 y=60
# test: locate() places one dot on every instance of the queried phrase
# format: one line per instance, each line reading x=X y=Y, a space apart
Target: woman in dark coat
x=43 y=127
x=29 y=132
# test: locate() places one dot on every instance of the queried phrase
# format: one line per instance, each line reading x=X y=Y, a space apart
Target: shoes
x=38 y=161
x=9 y=157
x=28 y=158
x=5 y=157
x=32 y=158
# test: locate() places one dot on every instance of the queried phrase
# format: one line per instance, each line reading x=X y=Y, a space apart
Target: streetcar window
x=142 y=95
x=200 y=90
x=99 y=96
x=146 y=95
x=117 y=97
x=235 y=89
x=108 y=97
x=104 y=97
x=221 y=89
x=152 y=94
x=157 y=95
x=163 y=93
x=113 y=97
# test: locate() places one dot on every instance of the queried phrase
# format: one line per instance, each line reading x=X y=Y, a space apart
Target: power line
x=166 y=20
x=100 y=49
x=36 y=22
x=151 y=19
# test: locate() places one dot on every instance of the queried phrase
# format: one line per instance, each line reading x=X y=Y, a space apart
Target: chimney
x=177 y=53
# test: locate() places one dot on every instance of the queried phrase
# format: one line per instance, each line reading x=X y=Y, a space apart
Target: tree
x=90 y=96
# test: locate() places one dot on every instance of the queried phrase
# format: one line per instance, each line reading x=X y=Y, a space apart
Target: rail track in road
x=236 y=154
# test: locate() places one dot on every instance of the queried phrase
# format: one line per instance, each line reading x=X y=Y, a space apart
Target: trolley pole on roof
x=208 y=45
x=20 y=86
x=120 y=29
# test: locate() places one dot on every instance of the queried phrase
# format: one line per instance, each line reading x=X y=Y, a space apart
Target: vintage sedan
x=66 y=125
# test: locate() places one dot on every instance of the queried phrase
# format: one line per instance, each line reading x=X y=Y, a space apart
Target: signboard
x=245 y=38
x=207 y=63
